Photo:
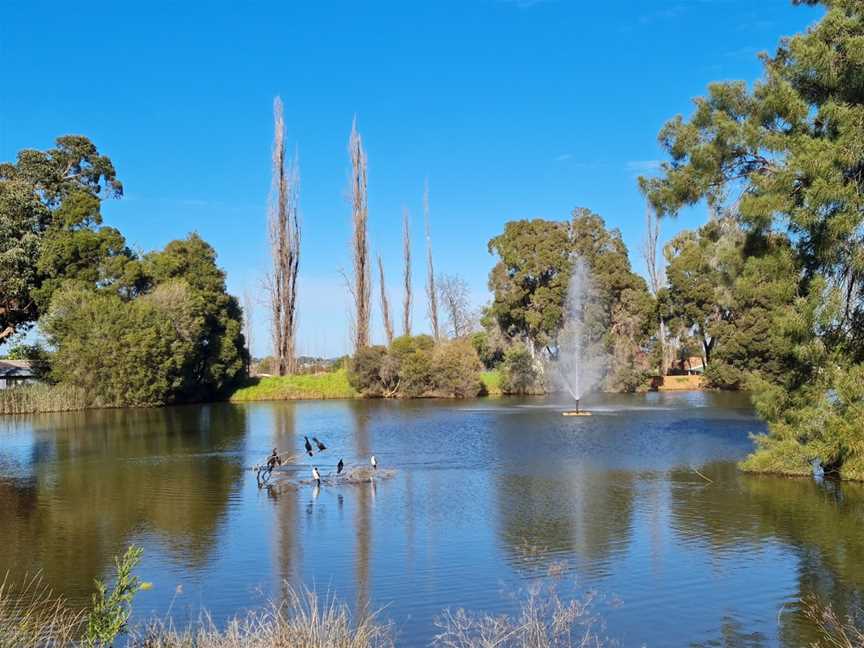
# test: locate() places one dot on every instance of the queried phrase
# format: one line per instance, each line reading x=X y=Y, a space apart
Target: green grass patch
x=333 y=384
x=492 y=382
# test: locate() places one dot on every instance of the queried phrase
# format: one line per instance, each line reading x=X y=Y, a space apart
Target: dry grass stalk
x=543 y=621
x=835 y=632
x=385 y=303
x=30 y=615
x=431 y=293
x=284 y=231
x=361 y=290
x=302 y=619
x=406 y=254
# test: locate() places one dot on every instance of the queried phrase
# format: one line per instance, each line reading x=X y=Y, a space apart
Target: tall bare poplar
x=385 y=303
x=248 y=313
x=656 y=277
x=284 y=237
x=431 y=293
x=361 y=289
x=406 y=254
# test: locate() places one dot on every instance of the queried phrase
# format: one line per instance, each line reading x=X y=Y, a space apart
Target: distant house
x=693 y=365
x=15 y=372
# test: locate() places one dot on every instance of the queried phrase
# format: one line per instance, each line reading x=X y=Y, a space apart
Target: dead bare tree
x=656 y=277
x=455 y=300
x=385 y=303
x=284 y=237
x=248 y=315
x=431 y=293
x=406 y=253
x=361 y=290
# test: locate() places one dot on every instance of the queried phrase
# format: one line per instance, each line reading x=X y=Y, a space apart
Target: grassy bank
x=492 y=382
x=329 y=385
x=29 y=399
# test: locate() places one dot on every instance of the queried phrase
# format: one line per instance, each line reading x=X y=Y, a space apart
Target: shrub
x=722 y=375
x=416 y=374
x=110 y=611
x=364 y=374
x=456 y=370
x=489 y=348
x=519 y=373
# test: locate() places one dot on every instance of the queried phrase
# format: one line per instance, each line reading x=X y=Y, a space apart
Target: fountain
x=577 y=365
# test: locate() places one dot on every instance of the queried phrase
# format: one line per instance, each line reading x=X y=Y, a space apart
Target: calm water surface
x=488 y=495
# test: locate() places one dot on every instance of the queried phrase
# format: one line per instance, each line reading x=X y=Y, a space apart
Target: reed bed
x=29 y=399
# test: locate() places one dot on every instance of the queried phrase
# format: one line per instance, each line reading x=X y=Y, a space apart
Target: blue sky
x=511 y=108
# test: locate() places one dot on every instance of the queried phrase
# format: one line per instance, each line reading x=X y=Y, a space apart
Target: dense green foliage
x=727 y=286
x=530 y=283
x=785 y=159
x=128 y=330
x=414 y=367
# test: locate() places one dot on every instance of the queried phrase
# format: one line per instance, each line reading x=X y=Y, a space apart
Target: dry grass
x=31 y=616
x=29 y=399
x=835 y=632
x=544 y=621
x=303 y=619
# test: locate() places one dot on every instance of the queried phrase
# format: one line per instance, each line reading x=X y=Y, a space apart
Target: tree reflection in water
x=95 y=480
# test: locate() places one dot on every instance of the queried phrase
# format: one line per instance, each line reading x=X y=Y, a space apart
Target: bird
x=321 y=446
x=273 y=460
x=308 y=446
x=340 y=467
x=374 y=462
x=316 y=475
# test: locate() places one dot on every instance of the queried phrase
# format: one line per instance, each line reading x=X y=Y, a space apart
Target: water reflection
x=486 y=496
x=821 y=522
x=95 y=481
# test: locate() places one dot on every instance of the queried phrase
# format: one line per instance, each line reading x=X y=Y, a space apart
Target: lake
x=488 y=498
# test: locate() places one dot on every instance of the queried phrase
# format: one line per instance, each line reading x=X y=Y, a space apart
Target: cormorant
x=308 y=446
x=321 y=446
x=340 y=467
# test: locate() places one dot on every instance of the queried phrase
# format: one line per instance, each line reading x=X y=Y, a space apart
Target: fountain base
x=576 y=413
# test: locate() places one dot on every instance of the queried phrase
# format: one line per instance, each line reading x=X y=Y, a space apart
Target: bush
x=489 y=348
x=519 y=373
x=722 y=375
x=413 y=367
x=364 y=374
x=456 y=370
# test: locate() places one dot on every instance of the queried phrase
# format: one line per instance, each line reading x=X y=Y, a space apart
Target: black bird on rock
x=340 y=467
x=321 y=446
x=308 y=446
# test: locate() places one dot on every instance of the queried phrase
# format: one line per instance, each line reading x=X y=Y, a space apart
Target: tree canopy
x=787 y=157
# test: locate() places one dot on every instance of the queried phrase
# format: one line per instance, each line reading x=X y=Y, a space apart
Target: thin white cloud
x=643 y=165
x=563 y=157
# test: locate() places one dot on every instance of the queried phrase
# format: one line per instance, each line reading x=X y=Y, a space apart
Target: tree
x=284 y=236
x=656 y=280
x=385 y=303
x=431 y=293
x=702 y=268
x=529 y=282
x=361 y=289
x=454 y=295
x=406 y=255
x=221 y=357
x=787 y=155
x=50 y=217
